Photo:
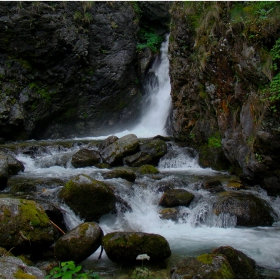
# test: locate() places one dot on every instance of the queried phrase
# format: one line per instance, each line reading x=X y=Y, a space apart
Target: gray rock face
x=69 y=68
x=79 y=243
x=137 y=159
x=114 y=153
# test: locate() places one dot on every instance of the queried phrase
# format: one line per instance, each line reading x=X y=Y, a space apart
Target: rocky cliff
x=222 y=86
x=69 y=68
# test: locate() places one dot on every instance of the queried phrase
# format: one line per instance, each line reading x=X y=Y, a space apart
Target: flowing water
x=197 y=230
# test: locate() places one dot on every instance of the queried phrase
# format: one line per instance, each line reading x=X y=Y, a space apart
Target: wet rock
x=148 y=169
x=115 y=152
x=176 y=197
x=212 y=185
x=15 y=268
x=120 y=173
x=169 y=214
x=79 y=243
x=206 y=266
x=85 y=157
x=23 y=187
x=87 y=197
x=4 y=170
x=14 y=165
x=124 y=247
x=242 y=266
x=156 y=148
x=122 y=205
x=248 y=209
x=235 y=183
x=137 y=159
x=108 y=141
x=25 y=226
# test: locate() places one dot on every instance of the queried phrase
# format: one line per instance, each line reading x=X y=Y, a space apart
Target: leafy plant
x=68 y=270
x=215 y=141
x=148 y=38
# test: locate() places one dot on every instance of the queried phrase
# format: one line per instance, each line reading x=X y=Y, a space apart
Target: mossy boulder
x=25 y=226
x=108 y=141
x=212 y=185
x=137 y=159
x=148 y=169
x=79 y=243
x=249 y=210
x=124 y=146
x=206 y=266
x=120 y=173
x=242 y=266
x=15 y=268
x=156 y=148
x=124 y=247
x=87 y=197
x=14 y=165
x=176 y=197
x=85 y=157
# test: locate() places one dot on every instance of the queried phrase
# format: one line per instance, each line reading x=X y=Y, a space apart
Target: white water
x=154 y=116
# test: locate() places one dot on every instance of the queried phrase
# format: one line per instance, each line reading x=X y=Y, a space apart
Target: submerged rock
x=124 y=247
x=79 y=243
x=169 y=214
x=249 y=210
x=85 y=157
x=212 y=185
x=25 y=226
x=87 y=197
x=176 y=197
x=115 y=152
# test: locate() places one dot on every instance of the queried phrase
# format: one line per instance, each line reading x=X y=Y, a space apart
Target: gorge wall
x=70 y=68
x=220 y=68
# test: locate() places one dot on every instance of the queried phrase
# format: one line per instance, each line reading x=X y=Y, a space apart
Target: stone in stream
x=87 y=197
x=25 y=226
x=176 y=197
x=124 y=146
x=249 y=210
x=120 y=173
x=85 y=157
x=124 y=247
x=4 y=170
x=79 y=243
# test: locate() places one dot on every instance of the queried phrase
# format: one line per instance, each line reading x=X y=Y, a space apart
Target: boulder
x=25 y=226
x=148 y=169
x=124 y=247
x=176 y=197
x=242 y=266
x=79 y=243
x=108 y=141
x=206 y=266
x=120 y=173
x=156 y=148
x=124 y=146
x=87 y=197
x=249 y=210
x=15 y=268
x=85 y=157
x=14 y=165
x=4 y=170
x=212 y=185
x=137 y=159
x=169 y=214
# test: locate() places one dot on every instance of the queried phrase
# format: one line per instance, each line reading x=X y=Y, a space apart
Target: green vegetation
x=148 y=38
x=148 y=169
x=68 y=270
x=215 y=141
x=41 y=90
x=84 y=17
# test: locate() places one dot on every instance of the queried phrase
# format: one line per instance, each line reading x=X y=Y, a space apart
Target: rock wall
x=67 y=68
x=219 y=68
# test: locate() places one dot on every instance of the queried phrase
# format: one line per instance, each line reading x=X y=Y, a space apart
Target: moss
x=30 y=213
x=148 y=169
x=205 y=258
x=20 y=274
